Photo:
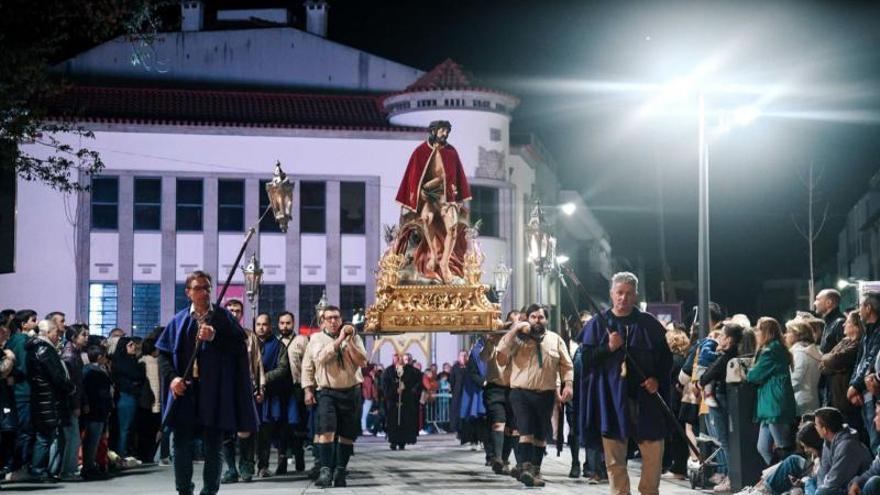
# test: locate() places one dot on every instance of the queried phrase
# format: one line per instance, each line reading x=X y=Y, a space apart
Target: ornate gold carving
x=431 y=308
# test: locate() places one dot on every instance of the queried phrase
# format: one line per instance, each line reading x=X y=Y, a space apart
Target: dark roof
x=223 y=108
x=449 y=75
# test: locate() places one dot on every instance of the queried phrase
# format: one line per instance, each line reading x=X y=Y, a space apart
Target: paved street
x=436 y=465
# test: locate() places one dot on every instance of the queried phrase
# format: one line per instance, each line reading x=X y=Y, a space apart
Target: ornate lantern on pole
x=253 y=279
x=502 y=279
x=542 y=246
x=280 y=191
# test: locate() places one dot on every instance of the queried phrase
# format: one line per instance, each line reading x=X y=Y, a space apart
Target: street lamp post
x=703 y=224
x=280 y=201
x=542 y=247
x=253 y=280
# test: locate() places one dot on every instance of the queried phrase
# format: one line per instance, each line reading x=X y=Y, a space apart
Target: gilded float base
x=433 y=308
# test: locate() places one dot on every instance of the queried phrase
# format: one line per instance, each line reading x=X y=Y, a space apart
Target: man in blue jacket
x=843 y=456
x=868 y=483
x=218 y=397
x=858 y=393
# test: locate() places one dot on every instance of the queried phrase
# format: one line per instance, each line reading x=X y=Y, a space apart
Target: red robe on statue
x=457 y=187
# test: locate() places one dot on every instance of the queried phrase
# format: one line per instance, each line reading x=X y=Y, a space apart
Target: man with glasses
x=246 y=465
x=217 y=395
x=331 y=373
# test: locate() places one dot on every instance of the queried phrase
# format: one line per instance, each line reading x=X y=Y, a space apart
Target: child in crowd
x=708 y=354
x=97 y=404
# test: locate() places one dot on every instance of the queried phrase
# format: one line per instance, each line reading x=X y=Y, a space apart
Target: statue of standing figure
x=432 y=193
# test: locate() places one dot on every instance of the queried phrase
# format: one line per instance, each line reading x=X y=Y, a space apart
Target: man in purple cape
x=616 y=402
x=219 y=397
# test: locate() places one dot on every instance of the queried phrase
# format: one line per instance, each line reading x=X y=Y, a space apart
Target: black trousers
x=269 y=432
x=246 y=447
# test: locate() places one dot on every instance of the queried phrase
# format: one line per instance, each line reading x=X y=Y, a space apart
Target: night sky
x=553 y=54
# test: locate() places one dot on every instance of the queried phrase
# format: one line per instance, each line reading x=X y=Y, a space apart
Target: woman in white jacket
x=805 y=371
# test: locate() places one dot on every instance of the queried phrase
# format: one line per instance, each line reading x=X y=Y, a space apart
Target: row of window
x=230 y=205
x=448 y=102
x=146 y=302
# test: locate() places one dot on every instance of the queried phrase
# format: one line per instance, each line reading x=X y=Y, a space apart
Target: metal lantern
x=280 y=191
x=502 y=279
x=253 y=278
x=542 y=245
x=322 y=303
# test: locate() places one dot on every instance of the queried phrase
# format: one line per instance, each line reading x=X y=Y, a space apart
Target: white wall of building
x=147 y=257
x=45 y=276
x=192 y=152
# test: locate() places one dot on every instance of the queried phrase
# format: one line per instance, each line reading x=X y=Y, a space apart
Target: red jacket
x=457 y=187
x=368 y=387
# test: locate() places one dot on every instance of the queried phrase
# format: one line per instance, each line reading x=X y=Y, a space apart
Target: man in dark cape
x=473 y=428
x=402 y=386
x=477 y=375
x=616 y=402
x=456 y=382
x=219 y=397
x=278 y=409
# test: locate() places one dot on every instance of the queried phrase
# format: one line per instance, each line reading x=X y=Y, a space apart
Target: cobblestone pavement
x=437 y=464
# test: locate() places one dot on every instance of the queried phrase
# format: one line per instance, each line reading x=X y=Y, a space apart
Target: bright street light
x=568 y=208
x=562 y=259
x=746 y=115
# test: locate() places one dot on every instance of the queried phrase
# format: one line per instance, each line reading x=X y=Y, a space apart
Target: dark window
x=103 y=300
x=145 y=304
x=313 y=207
x=352 y=205
x=147 y=204
x=230 y=206
x=495 y=134
x=181 y=302
x=189 y=204
x=268 y=224
x=309 y=295
x=484 y=208
x=272 y=301
x=352 y=298
x=105 y=203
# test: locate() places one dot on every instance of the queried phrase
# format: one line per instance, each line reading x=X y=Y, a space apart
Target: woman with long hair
x=149 y=401
x=776 y=405
x=129 y=376
x=800 y=340
x=837 y=366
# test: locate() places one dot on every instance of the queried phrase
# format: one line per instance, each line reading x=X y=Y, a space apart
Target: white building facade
x=186 y=162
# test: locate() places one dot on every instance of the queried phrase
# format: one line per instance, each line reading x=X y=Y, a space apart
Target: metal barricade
x=437 y=411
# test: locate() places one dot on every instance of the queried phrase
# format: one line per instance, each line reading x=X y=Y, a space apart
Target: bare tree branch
x=822 y=223
x=798 y=227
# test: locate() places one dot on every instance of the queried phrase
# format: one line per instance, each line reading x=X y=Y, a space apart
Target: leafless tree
x=814 y=224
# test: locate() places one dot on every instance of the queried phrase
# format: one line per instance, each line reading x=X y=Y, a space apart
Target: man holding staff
x=626 y=361
x=217 y=396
